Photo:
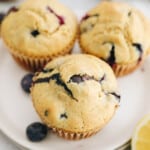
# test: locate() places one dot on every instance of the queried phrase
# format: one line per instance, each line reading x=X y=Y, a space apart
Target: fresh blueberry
x=26 y=82
x=36 y=132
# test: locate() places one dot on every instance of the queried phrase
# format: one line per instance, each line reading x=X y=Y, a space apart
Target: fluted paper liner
x=74 y=136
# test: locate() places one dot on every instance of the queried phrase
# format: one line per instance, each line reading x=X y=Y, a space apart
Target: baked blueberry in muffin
x=70 y=91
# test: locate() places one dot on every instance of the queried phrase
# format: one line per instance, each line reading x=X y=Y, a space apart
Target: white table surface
x=6 y=144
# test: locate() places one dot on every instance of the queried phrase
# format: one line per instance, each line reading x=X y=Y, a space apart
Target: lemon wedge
x=141 y=137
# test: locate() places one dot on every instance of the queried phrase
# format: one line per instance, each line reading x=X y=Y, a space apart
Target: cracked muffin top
x=75 y=93
x=115 y=32
x=40 y=28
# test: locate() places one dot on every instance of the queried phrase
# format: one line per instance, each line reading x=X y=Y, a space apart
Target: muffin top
x=39 y=28
x=76 y=93
x=115 y=32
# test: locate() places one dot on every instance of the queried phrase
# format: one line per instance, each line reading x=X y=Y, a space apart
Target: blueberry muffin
x=38 y=31
x=118 y=34
x=75 y=95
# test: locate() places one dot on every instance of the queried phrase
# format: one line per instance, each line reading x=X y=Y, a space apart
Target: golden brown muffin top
x=76 y=93
x=116 y=32
x=39 y=28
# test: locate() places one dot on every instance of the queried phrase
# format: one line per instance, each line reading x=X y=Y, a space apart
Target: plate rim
x=20 y=143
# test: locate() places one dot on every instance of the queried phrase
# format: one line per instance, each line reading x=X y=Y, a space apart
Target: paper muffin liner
x=34 y=63
x=122 y=70
x=74 y=136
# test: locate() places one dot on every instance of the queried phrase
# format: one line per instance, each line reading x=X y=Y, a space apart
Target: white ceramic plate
x=17 y=112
